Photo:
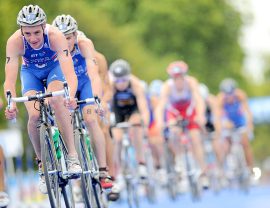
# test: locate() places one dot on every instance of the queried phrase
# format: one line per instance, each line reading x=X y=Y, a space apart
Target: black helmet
x=120 y=68
x=228 y=85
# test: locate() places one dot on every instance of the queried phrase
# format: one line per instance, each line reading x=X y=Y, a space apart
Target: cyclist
x=233 y=106
x=213 y=120
x=85 y=65
x=129 y=104
x=44 y=53
x=180 y=98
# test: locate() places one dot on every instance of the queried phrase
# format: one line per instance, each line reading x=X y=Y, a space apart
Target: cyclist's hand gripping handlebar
x=100 y=111
x=69 y=102
x=10 y=113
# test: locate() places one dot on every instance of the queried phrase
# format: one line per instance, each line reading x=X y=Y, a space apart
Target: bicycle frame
x=52 y=168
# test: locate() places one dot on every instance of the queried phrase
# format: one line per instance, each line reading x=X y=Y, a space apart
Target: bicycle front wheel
x=65 y=183
x=86 y=181
x=50 y=166
x=171 y=173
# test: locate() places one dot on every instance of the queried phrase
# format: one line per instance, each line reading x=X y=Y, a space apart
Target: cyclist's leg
x=117 y=137
x=137 y=135
x=216 y=143
x=247 y=148
x=197 y=145
x=195 y=135
x=156 y=142
x=31 y=84
x=55 y=80
x=91 y=121
x=108 y=144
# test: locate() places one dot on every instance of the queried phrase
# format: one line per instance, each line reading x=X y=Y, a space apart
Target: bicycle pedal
x=74 y=175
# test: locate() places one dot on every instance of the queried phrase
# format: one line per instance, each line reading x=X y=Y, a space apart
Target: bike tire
x=243 y=173
x=50 y=164
x=66 y=185
x=98 y=193
x=192 y=179
x=86 y=180
x=132 y=194
x=171 y=174
x=150 y=182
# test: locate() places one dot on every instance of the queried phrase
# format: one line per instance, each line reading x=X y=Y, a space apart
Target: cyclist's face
x=71 y=39
x=121 y=83
x=33 y=35
x=179 y=82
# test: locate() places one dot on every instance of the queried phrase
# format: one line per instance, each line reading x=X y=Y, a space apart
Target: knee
x=33 y=118
x=245 y=143
x=56 y=102
x=91 y=122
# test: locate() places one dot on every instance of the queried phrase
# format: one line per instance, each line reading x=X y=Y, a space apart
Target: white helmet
x=155 y=87
x=65 y=23
x=204 y=91
x=228 y=85
x=31 y=16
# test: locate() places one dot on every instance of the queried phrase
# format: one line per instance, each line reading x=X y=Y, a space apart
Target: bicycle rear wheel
x=50 y=166
x=86 y=180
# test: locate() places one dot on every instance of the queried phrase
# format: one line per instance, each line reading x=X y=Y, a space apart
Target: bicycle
x=236 y=161
x=192 y=172
x=55 y=167
x=90 y=186
x=129 y=164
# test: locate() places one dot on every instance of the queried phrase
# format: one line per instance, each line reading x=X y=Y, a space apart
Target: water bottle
x=55 y=135
x=88 y=144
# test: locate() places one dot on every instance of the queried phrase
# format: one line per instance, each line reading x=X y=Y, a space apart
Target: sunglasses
x=121 y=80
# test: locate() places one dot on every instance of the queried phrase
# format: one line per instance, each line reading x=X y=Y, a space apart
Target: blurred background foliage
x=150 y=34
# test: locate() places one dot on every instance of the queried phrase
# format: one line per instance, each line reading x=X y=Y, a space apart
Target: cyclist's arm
x=199 y=104
x=163 y=100
x=88 y=51
x=14 y=50
x=213 y=102
x=244 y=100
x=60 y=45
x=104 y=75
x=141 y=99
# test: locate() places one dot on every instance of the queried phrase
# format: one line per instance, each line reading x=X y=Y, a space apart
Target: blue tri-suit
x=42 y=63
x=39 y=64
x=233 y=111
x=84 y=83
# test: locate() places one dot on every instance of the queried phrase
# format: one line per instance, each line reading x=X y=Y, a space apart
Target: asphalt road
x=24 y=193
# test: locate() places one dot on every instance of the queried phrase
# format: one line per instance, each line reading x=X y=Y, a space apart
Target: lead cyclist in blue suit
x=45 y=55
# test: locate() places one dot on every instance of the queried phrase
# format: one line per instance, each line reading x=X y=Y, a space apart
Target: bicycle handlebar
x=22 y=99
